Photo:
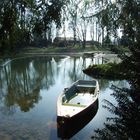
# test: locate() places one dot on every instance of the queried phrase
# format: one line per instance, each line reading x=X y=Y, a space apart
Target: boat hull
x=69 y=126
x=78 y=97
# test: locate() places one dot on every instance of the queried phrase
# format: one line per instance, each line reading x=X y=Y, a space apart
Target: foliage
x=124 y=15
x=22 y=21
x=109 y=71
x=126 y=124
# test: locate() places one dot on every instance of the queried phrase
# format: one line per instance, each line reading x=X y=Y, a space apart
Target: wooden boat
x=76 y=106
x=76 y=99
x=69 y=127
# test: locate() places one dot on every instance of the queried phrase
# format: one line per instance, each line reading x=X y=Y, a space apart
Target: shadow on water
x=68 y=127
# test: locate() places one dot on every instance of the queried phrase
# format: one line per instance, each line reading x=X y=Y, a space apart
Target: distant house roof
x=64 y=38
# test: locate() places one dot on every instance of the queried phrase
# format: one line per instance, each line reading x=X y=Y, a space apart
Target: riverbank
x=107 y=71
x=51 y=50
x=89 y=52
x=62 y=51
x=106 y=55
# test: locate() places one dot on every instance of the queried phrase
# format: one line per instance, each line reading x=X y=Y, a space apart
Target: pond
x=29 y=88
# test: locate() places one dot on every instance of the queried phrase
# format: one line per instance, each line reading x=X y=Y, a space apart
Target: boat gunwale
x=59 y=101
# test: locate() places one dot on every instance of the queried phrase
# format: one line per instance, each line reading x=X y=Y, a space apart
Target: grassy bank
x=69 y=49
x=108 y=71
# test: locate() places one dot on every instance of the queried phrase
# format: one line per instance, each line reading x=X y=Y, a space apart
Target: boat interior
x=76 y=98
x=77 y=91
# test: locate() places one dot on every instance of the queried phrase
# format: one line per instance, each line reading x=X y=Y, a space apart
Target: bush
x=110 y=70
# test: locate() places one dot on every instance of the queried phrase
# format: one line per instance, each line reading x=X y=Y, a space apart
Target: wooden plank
x=70 y=110
x=75 y=105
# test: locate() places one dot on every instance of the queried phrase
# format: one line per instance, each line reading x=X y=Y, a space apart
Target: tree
x=126 y=123
x=22 y=20
x=73 y=11
x=83 y=22
x=124 y=15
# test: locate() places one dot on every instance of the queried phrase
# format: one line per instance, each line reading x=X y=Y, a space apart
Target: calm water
x=29 y=88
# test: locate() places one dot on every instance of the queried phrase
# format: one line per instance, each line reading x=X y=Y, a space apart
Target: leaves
x=32 y=17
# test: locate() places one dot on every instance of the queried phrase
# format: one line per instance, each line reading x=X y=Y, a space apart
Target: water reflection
x=21 y=80
x=29 y=88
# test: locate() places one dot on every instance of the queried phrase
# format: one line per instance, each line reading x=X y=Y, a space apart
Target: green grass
x=52 y=49
x=109 y=71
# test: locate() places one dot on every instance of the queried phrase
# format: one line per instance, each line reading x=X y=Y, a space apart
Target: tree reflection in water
x=21 y=83
x=21 y=80
x=32 y=85
x=126 y=124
